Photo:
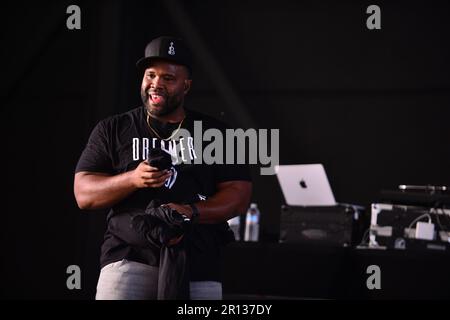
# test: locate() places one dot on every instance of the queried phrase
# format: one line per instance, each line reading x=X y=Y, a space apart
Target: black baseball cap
x=167 y=48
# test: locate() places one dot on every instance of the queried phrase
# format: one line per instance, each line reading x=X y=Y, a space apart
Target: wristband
x=195 y=213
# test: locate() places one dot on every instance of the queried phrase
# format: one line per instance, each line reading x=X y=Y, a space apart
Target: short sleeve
x=96 y=155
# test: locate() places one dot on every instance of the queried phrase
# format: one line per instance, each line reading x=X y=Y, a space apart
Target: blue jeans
x=130 y=280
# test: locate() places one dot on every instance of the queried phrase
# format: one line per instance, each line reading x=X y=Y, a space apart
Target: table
x=302 y=271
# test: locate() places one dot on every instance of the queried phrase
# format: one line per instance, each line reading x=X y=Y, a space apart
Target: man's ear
x=187 y=85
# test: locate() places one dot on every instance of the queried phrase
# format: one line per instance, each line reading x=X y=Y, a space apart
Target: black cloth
x=154 y=227
x=118 y=144
x=159 y=224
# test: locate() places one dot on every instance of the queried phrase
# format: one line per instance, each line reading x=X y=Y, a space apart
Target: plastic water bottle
x=235 y=226
x=252 y=223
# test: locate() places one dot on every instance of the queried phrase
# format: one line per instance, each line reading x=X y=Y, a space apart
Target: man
x=114 y=172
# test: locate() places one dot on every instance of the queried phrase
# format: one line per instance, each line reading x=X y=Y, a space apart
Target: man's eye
x=168 y=78
x=151 y=76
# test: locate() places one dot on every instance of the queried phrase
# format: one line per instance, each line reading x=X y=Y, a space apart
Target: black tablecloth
x=276 y=270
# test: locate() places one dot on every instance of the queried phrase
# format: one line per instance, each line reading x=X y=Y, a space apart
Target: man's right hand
x=146 y=176
x=96 y=190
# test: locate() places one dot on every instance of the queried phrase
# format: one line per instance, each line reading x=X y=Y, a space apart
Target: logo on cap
x=171 y=49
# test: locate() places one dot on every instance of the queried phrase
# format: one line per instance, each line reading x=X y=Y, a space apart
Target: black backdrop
x=372 y=106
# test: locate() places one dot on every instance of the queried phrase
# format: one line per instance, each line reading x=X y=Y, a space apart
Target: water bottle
x=252 y=223
x=235 y=226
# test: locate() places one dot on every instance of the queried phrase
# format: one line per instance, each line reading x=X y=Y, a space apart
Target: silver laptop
x=305 y=185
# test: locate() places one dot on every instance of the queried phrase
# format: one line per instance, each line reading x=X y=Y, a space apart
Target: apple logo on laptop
x=303 y=184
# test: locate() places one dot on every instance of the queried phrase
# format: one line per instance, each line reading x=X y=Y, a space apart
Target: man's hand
x=146 y=176
x=181 y=208
x=97 y=190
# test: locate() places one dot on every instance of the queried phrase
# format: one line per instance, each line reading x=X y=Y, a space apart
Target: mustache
x=157 y=92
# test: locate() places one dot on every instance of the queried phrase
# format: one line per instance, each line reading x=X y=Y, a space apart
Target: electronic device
x=417 y=195
x=159 y=158
x=395 y=226
x=338 y=226
x=305 y=185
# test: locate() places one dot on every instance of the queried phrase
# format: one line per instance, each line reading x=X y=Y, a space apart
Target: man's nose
x=156 y=82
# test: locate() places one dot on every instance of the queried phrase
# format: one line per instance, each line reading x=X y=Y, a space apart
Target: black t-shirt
x=119 y=143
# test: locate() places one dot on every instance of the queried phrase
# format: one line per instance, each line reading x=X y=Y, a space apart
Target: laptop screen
x=305 y=185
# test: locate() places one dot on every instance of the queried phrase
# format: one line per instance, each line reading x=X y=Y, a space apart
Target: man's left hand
x=181 y=208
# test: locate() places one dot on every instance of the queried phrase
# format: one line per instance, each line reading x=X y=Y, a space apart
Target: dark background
x=372 y=106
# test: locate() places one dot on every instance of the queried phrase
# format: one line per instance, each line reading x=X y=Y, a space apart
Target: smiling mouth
x=156 y=98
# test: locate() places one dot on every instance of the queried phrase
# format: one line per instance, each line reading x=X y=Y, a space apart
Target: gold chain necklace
x=156 y=133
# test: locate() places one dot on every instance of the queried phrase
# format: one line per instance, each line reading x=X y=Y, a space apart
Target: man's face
x=164 y=86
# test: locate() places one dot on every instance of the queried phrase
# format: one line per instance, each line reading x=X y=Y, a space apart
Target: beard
x=164 y=108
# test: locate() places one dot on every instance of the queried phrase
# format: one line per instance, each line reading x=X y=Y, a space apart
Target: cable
x=446 y=215
x=441 y=227
x=365 y=235
x=420 y=217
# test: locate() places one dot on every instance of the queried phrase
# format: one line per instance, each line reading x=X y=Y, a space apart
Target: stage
x=290 y=271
